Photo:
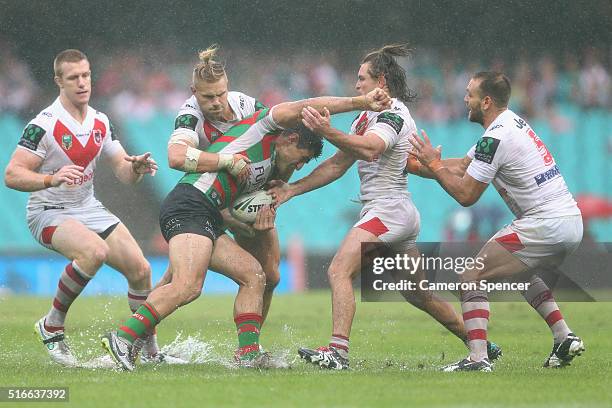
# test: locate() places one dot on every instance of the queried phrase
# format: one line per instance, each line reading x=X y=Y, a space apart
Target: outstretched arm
x=328 y=171
x=464 y=189
x=455 y=165
x=130 y=169
x=287 y=114
x=367 y=147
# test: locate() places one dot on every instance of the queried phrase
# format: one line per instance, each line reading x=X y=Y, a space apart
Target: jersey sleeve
x=188 y=121
x=111 y=144
x=487 y=158
x=35 y=137
x=387 y=126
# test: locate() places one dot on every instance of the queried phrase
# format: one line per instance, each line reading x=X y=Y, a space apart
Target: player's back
x=523 y=171
x=384 y=177
x=60 y=140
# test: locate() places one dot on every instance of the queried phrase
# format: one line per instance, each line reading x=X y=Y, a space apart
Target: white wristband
x=192 y=156
x=226 y=161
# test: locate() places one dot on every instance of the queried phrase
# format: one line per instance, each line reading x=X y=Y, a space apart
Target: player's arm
x=367 y=147
x=184 y=156
x=465 y=189
x=328 y=171
x=456 y=166
x=288 y=114
x=21 y=175
x=131 y=169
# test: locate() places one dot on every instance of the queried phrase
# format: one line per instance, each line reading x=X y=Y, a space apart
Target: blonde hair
x=209 y=69
x=70 y=55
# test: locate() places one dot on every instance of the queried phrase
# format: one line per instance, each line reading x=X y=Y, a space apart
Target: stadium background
x=558 y=58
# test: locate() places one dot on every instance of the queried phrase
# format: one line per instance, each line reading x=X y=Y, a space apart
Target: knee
x=272 y=278
x=419 y=299
x=142 y=271
x=336 y=273
x=255 y=278
x=98 y=253
x=187 y=291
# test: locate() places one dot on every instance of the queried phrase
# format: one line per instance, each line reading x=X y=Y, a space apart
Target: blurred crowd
x=142 y=82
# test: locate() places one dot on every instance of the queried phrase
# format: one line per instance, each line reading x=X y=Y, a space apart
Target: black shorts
x=187 y=210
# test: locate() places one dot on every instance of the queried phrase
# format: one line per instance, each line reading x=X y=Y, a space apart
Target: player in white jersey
x=379 y=142
x=548 y=224
x=55 y=161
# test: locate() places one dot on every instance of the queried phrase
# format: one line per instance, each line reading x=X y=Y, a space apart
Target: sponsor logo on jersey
x=186 y=121
x=391 y=119
x=241 y=102
x=520 y=123
x=32 y=135
x=97 y=136
x=542 y=149
x=547 y=175
x=66 y=142
x=486 y=149
x=496 y=127
x=87 y=177
x=47 y=114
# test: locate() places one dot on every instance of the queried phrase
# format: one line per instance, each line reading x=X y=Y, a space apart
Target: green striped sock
x=143 y=321
x=248 y=326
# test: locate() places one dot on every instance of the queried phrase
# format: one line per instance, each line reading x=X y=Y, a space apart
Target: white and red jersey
x=60 y=140
x=384 y=177
x=523 y=171
x=190 y=117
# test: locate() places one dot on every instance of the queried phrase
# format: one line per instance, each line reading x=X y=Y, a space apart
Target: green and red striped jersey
x=254 y=137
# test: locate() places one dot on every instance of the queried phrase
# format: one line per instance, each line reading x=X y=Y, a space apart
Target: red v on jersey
x=79 y=154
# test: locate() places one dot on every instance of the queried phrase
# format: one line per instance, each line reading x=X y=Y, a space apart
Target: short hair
x=209 y=69
x=495 y=85
x=383 y=62
x=70 y=55
x=307 y=139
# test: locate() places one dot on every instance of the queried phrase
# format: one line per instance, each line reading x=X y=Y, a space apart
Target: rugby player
x=379 y=142
x=191 y=222
x=202 y=119
x=55 y=161
x=548 y=224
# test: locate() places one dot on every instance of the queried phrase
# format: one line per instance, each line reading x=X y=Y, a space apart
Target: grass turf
x=395 y=353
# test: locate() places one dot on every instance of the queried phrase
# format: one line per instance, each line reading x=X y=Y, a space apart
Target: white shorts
x=94 y=216
x=395 y=221
x=541 y=241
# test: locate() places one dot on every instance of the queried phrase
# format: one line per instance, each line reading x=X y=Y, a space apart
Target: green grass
x=395 y=351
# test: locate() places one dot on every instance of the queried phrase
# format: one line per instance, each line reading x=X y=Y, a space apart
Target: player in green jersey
x=191 y=222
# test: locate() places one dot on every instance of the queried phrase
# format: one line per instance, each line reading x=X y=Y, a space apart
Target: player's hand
x=235 y=226
x=265 y=218
x=240 y=168
x=313 y=120
x=423 y=150
x=143 y=164
x=378 y=100
x=67 y=174
x=280 y=191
